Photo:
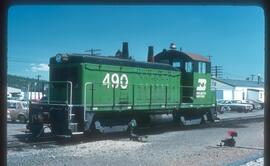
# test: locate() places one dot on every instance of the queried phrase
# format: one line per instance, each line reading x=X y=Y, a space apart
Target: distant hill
x=23 y=82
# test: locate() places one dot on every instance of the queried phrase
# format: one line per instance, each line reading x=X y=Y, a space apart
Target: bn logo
x=201 y=84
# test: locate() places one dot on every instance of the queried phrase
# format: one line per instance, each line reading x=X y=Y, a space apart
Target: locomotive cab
x=195 y=74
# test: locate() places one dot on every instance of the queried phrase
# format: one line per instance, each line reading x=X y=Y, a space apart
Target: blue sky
x=233 y=36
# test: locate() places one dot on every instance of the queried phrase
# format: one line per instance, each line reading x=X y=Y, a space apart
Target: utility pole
x=259 y=78
x=216 y=71
x=209 y=57
x=29 y=97
x=38 y=76
x=37 y=85
x=252 y=77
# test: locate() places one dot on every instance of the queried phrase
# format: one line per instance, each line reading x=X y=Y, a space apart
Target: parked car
x=17 y=110
x=261 y=103
x=240 y=106
x=222 y=106
x=256 y=104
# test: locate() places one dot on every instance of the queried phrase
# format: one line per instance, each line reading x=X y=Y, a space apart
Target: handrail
x=67 y=82
x=84 y=105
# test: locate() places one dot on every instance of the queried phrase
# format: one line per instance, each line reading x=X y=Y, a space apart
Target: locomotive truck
x=90 y=92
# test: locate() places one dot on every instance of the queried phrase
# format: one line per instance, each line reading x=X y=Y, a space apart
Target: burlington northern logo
x=201 y=84
x=201 y=88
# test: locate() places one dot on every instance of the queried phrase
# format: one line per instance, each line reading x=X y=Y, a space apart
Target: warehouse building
x=229 y=89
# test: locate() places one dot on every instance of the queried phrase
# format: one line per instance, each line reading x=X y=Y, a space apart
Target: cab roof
x=169 y=54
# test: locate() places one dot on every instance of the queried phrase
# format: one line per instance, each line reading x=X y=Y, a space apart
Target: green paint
x=135 y=89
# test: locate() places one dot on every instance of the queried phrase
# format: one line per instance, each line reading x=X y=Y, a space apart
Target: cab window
x=188 y=66
x=202 y=67
x=176 y=65
x=11 y=105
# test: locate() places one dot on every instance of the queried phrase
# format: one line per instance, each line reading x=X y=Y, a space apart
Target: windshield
x=237 y=101
x=25 y=105
x=11 y=105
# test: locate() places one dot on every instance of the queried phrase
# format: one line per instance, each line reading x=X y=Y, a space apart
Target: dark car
x=261 y=103
x=256 y=104
x=240 y=106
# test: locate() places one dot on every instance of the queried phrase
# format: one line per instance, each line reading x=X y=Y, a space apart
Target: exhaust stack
x=125 y=50
x=150 y=56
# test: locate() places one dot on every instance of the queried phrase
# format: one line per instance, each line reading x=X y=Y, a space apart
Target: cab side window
x=202 y=67
x=176 y=65
x=188 y=67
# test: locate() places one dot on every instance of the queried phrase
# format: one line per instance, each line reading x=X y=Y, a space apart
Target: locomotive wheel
x=176 y=119
x=35 y=129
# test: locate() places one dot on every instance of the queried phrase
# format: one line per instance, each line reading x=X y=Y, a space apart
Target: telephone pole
x=216 y=71
x=38 y=76
x=37 y=85
x=209 y=57
x=252 y=76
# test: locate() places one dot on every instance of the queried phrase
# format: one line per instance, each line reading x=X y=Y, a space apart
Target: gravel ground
x=258 y=162
x=192 y=146
x=231 y=114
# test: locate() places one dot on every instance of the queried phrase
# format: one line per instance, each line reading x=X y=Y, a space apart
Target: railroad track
x=51 y=141
x=29 y=141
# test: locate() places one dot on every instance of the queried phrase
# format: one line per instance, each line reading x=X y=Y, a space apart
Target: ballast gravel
x=182 y=147
x=257 y=162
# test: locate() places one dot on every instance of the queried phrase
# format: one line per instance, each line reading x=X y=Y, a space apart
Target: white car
x=17 y=110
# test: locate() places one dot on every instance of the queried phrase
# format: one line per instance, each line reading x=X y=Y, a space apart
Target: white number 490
x=114 y=80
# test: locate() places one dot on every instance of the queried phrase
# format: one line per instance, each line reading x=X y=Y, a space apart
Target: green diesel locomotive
x=88 y=92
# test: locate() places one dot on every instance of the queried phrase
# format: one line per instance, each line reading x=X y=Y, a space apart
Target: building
x=18 y=94
x=229 y=89
x=13 y=92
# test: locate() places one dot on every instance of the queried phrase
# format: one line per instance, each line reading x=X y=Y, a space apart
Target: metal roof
x=197 y=57
x=165 y=54
x=241 y=83
x=86 y=58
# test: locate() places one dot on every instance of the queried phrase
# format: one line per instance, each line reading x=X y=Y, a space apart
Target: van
x=17 y=110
